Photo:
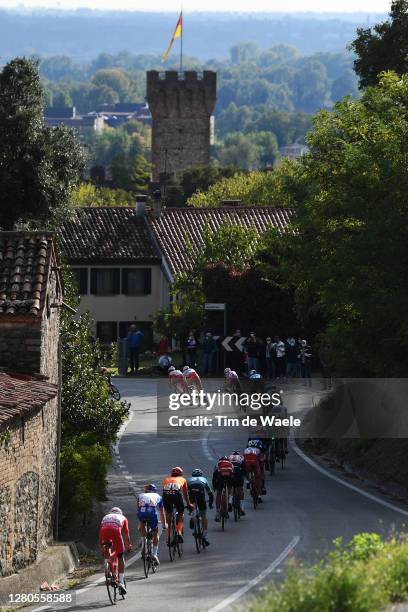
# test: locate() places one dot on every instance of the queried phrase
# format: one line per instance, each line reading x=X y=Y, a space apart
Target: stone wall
x=20 y=344
x=181 y=111
x=27 y=487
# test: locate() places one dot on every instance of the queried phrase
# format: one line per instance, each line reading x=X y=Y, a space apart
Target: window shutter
x=93 y=281
x=148 y=280
x=116 y=281
x=83 y=281
x=125 y=274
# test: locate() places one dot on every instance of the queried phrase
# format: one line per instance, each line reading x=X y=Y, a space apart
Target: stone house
x=30 y=300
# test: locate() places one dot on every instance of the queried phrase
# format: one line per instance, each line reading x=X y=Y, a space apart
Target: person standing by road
x=292 y=361
x=237 y=357
x=252 y=349
x=134 y=339
x=280 y=351
x=191 y=346
x=270 y=355
x=209 y=348
x=305 y=357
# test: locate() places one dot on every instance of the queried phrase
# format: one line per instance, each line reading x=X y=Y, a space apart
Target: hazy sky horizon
x=290 y=6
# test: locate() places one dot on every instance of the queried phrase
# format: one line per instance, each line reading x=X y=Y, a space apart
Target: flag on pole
x=178 y=33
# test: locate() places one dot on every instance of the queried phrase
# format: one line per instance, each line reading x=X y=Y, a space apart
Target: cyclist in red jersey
x=253 y=463
x=223 y=473
x=115 y=528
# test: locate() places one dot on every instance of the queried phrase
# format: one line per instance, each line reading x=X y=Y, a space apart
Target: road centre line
x=322 y=470
x=252 y=583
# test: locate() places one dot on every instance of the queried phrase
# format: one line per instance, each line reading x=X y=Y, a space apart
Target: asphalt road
x=303 y=511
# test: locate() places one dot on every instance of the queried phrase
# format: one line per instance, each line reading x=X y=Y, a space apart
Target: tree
x=130 y=173
x=115 y=79
x=89 y=195
x=350 y=248
x=384 y=47
x=39 y=166
x=344 y=85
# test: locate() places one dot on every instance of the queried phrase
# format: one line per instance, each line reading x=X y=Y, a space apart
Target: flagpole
x=181 y=42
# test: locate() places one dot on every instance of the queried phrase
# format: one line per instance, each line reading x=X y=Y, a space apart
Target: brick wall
x=27 y=487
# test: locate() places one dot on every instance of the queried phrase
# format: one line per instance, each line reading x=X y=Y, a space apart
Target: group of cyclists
x=179 y=492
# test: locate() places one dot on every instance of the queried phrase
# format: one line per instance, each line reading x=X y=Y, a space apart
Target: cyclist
x=115 y=528
x=176 y=380
x=237 y=460
x=197 y=487
x=192 y=380
x=232 y=384
x=222 y=475
x=148 y=503
x=252 y=463
x=174 y=490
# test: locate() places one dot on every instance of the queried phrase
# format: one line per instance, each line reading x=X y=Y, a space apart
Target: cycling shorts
x=109 y=533
x=148 y=515
x=198 y=498
x=173 y=499
x=238 y=478
x=221 y=480
x=252 y=466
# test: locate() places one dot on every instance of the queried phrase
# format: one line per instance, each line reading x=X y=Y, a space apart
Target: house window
x=105 y=281
x=107 y=331
x=81 y=277
x=136 y=281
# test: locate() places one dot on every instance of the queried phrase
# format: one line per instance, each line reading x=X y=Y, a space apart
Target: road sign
x=214 y=306
x=238 y=345
x=225 y=344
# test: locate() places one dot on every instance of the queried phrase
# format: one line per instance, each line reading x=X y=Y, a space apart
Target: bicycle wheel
x=121 y=592
x=146 y=558
x=109 y=580
x=272 y=461
x=198 y=536
x=179 y=546
x=254 y=493
x=171 y=543
x=114 y=392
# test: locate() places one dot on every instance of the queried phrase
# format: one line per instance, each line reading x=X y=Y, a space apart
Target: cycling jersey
x=148 y=504
x=252 y=460
x=177 y=381
x=239 y=469
x=173 y=489
x=192 y=378
x=222 y=474
x=232 y=376
x=112 y=528
x=197 y=487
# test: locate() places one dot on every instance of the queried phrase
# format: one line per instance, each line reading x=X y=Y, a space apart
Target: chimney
x=140 y=205
x=230 y=203
x=157 y=203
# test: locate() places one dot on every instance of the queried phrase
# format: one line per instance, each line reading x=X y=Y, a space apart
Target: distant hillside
x=83 y=34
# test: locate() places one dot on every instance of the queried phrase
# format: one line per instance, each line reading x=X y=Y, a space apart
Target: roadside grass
x=365 y=575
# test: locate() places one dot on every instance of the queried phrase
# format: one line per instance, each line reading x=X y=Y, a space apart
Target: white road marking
x=252 y=583
x=322 y=470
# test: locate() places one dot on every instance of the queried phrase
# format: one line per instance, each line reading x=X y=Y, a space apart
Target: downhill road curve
x=303 y=511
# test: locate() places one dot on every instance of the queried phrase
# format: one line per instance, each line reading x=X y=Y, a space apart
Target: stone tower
x=181 y=111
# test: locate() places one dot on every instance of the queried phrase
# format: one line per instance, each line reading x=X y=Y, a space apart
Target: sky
x=347 y=6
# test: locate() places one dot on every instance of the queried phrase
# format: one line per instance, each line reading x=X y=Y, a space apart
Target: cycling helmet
x=177 y=471
x=186 y=368
x=171 y=369
x=258 y=444
x=252 y=372
x=151 y=487
x=223 y=458
x=197 y=472
x=251 y=443
x=236 y=452
x=227 y=370
x=116 y=510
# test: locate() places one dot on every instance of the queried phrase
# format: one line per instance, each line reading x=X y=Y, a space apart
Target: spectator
x=162 y=347
x=305 y=357
x=237 y=356
x=209 y=349
x=292 y=361
x=270 y=356
x=280 y=359
x=191 y=346
x=252 y=349
x=134 y=339
x=164 y=363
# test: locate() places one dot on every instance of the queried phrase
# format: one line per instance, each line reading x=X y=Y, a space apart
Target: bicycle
x=111 y=573
x=224 y=506
x=272 y=457
x=253 y=489
x=147 y=552
x=173 y=543
x=236 y=505
x=112 y=389
x=280 y=453
x=198 y=531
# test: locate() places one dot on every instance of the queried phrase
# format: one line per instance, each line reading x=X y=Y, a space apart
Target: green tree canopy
x=383 y=47
x=39 y=166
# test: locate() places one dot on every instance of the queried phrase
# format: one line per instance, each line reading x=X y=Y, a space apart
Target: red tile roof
x=178 y=231
x=19 y=397
x=25 y=259
x=107 y=235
